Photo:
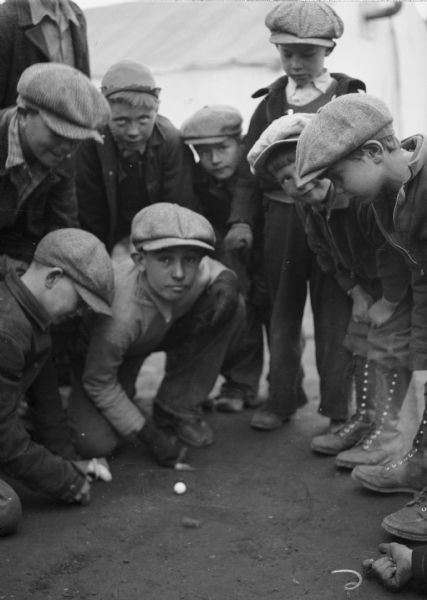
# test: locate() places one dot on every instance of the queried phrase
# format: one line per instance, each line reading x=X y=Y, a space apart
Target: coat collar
x=27 y=301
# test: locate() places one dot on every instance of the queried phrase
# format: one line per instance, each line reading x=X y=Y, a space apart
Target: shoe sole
x=325 y=451
x=407 y=536
x=375 y=488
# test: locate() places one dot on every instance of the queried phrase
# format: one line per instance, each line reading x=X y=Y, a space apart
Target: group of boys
x=320 y=191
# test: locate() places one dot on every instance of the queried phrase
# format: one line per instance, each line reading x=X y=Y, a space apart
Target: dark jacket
x=248 y=192
x=50 y=206
x=348 y=243
x=419 y=565
x=22 y=44
x=167 y=177
x=403 y=221
x=24 y=350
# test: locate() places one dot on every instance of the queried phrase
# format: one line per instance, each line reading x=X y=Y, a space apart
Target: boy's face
x=49 y=148
x=131 y=126
x=222 y=159
x=302 y=62
x=313 y=192
x=171 y=271
x=359 y=178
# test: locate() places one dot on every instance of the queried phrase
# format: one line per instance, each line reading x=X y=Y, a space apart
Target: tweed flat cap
x=302 y=22
x=163 y=225
x=280 y=132
x=212 y=124
x=85 y=261
x=338 y=128
x=129 y=76
x=67 y=100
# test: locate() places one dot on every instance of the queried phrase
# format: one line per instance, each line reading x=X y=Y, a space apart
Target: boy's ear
x=374 y=149
x=139 y=260
x=53 y=276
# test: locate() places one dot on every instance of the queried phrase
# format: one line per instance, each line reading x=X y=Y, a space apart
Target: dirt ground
x=274 y=521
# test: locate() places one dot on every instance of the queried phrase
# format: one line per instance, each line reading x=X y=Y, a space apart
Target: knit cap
x=66 y=100
x=212 y=124
x=84 y=259
x=302 y=22
x=339 y=128
x=129 y=76
x=164 y=225
x=281 y=132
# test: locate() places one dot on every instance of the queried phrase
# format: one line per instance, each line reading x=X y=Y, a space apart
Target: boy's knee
x=10 y=509
x=96 y=444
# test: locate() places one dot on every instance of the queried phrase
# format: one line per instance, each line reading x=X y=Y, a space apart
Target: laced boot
x=410 y=522
x=352 y=431
x=408 y=474
x=385 y=439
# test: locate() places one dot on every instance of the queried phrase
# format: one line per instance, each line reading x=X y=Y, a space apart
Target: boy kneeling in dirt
x=70 y=268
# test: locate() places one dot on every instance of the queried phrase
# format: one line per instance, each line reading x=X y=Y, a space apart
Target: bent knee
x=10 y=509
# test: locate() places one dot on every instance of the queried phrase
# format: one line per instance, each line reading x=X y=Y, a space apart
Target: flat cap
x=212 y=124
x=280 y=132
x=339 y=128
x=84 y=259
x=302 y=22
x=129 y=76
x=163 y=225
x=67 y=100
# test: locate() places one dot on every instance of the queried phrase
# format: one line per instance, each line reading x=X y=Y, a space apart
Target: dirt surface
x=272 y=521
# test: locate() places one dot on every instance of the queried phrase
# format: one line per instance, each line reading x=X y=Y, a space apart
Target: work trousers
x=290 y=268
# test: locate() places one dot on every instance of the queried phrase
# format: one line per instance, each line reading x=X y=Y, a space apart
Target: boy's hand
x=166 y=450
x=82 y=496
x=225 y=290
x=97 y=468
x=381 y=311
x=394 y=569
x=240 y=236
x=362 y=301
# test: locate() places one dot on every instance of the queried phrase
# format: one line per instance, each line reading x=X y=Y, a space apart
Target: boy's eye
x=120 y=122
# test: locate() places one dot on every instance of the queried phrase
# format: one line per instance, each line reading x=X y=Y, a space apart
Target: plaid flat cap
x=302 y=22
x=67 y=100
x=339 y=128
x=164 y=225
x=212 y=124
x=280 y=132
x=84 y=259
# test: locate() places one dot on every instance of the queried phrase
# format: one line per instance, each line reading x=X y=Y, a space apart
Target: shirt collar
x=39 y=11
x=15 y=156
x=27 y=300
x=321 y=83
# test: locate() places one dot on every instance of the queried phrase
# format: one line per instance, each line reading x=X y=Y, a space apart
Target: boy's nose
x=178 y=271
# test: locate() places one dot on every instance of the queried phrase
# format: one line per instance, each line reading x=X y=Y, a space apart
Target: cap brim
x=278 y=37
x=93 y=301
x=310 y=176
x=67 y=129
x=258 y=167
x=214 y=139
x=151 y=245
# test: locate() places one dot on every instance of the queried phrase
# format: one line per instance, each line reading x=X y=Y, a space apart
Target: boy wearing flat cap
x=57 y=108
x=352 y=142
x=70 y=269
x=215 y=134
x=169 y=297
x=142 y=161
x=303 y=33
x=350 y=247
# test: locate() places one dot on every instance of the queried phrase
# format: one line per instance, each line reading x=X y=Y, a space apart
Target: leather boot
x=407 y=474
x=410 y=522
x=352 y=431
x=385 y=440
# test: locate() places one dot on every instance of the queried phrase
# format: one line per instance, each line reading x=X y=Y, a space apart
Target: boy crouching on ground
x=169 y=297
x=70 y=268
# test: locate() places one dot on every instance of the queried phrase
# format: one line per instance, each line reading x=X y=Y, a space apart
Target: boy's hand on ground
x=381 y=311
x=362 y=301
x=225 y=290
x=97 y=468
x=240 y=236
x=165 y=450
x=394 y=569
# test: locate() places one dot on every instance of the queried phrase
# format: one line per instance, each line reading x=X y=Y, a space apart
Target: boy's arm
x=106 y=353
x=20 y=457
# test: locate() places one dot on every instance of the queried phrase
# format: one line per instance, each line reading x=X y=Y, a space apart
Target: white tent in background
x=218 y=52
